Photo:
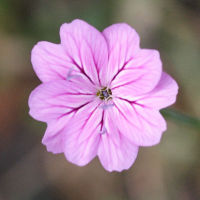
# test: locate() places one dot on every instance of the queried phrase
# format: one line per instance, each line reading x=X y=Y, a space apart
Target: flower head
x=100 y=94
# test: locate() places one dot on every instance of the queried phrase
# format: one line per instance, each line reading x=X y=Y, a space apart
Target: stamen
x=73 y=76
x=106 y=106
x=69 y=73
x=103 y=131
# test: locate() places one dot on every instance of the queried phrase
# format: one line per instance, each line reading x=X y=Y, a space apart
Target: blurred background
x=168 y=171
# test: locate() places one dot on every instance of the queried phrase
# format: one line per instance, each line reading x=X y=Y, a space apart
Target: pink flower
x=100 y=94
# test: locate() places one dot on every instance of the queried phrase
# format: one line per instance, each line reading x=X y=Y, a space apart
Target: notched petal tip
x=73 y=22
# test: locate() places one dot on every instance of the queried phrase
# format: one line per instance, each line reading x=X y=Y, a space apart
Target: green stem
x=181 y=118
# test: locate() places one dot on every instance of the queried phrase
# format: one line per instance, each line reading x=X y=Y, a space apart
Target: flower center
x=104 y=94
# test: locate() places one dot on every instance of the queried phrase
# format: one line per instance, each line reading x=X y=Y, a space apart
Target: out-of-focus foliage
x=168 y=171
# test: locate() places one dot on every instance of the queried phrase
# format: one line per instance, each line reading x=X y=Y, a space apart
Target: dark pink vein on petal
x=85 y=123
x=132 y=104
x=128 y=83
x=81 y=70
x=79 y=67
x=102 y=121
x=126 y=117
x=74 y=110
x=120 y=70
x=94 y=62
x=90 y=116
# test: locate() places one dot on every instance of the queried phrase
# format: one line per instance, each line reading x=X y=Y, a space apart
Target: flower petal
x=115 y=151
x=81 y=137
x=162 y=96
x=53 y=135
x=51 y=62
x=88 y=49
x=123 y=43
x=55 y=99
x=142 y=126
x=139 y=76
